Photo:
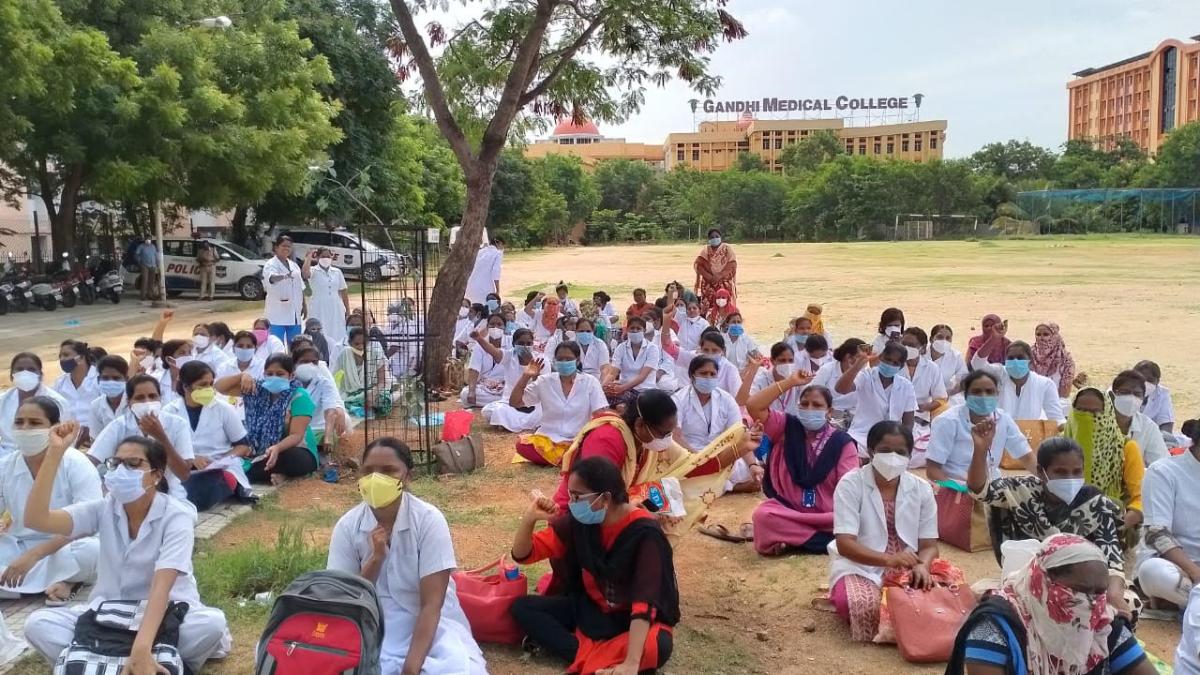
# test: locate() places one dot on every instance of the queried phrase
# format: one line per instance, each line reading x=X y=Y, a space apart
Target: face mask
x=705 y=385
x=813 y=420
x=888 y=370
x=463 y=312
x=144 y=408
x=942 y=346
x=147 y=363
x=200 y=342
x=523 y=353
x=204 y=395
x=721 y=302
x=325 y=262
x=585 y=339
x=537 y=306
x=125 y=484
x=261 y=336
x=582 y=512
x=1127 y=404
x=68 y=365
x=566 y=368
x=656 y=444
x=680 y=313
x=1151 y=389
x=912 y=353
x=111 y=388
x=1017 y=368
x=889 y=465
x=569 y=335
x=509 y=328
x=982 y=405
x=307 y=372
x=1065 y=488
x=244 y=354
x=276 y=384
x=378 y=490
x=31 y=441
x=891 y=331
x=355 y=351
x=800 y=339
x=492 y=306
x=714 y=242
x=736 y=330
x=181 y=361
x=26 y=380
x=495 y=333
x=785 y=370
x=636 y=337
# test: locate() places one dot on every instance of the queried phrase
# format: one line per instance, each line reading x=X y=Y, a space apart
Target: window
x=679 y=155
x=862 y=149
x=917 y=145
x=891 y=148
x=791 y=132
x=743 y=145
x=766 y=143
x=778 y=143
x=878 y=148
x=804 y=132
x=695 y=155
x=904 y=145
x=933 y=141
x=182 y=249
x=1169 y=68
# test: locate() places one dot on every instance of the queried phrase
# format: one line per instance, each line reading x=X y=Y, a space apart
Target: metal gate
x=397 y=267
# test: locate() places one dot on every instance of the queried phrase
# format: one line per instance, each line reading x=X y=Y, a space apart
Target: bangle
x=780 y=388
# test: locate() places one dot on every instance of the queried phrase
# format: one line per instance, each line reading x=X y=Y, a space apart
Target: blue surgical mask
x=888 y=370
x=111 y=388
x=244 y=354
x=582 y=512
x=537 y=306
x=705 y=385
x=813 y=420
x=566 y=368
x=522 y=353
x=1017 y=368
x=584 y=339
x=510 y=327
x=276 y=384
x=492 y=306
x=714 y=241
x=982 y=405
x=736 y=330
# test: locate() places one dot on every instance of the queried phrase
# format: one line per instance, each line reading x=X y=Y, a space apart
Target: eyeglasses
x=587 y=496
x=135 y=463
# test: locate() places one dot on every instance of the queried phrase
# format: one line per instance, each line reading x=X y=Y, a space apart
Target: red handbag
x=962 y=521
x=457 y=425
x=927 y=622
x=487 y=596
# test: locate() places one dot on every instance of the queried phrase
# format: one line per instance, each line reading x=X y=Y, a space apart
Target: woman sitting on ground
x=1023 y=393
x=890 y=329
x=1169 y=554
x=112 y=374
x=330 y=419
x=808 y=458
x=218 y=439
x=77 y=384
x=25 y=371
x=1110 y=461
x=486 y=367
x=245 y=358
x=593 y=352
x=1158 y=406
x=1128 y=392
x=691 y=326
x=33 y=562
x=146 y=541
x=1051 y=358
x=705 y=413
x=402 y=545
x=949 y=361
x=756 y=378
x=828 y=375
x=952 y=446
x=924 y=375
x=882 y=394
x=991 y=345
x=620 y=600
x=721 y=308
x=884 y=523
x=512 y=362
x=567 y=400
x=363 y=376
x=278 y=411
x=740 y=348
x=634 y=365
x=1050 y=617
x=1056 y=499
x=712 y=345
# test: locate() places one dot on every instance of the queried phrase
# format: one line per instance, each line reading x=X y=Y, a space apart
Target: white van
x=350 y=253
x=238 y=269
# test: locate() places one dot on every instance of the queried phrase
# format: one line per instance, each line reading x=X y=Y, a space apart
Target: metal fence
x=1168 y=210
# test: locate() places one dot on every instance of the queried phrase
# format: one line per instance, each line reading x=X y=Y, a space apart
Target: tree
x=1178 y=161
x=749 y=162
x=1014 y=160
x=576 y=57
x=620 y=183
x=810 y=153
x=565 y=176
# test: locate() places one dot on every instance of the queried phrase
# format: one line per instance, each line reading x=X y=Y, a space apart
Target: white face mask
x=147 y=363
x=462 y=312
x=889 y=465
x=721 y=302
x=1065 y=488
x=143 y=408
x=495 y=333
x=307 y=372
x=569 y=335
x=125 y=484
x=1127 y=404
x=325 y=262
x=31 y=441
x=200 y=342
x=26 y=380
x=1151 y=390
x=785 y=370
x=942 y=346
x=181 y=361
x=891 y=331
x=913 y=353
x=658 y=444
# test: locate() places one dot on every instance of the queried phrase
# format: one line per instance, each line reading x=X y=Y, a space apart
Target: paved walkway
x=209 y=524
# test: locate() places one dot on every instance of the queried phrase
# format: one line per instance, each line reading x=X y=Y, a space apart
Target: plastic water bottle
x=512 y=573
x=331 y=474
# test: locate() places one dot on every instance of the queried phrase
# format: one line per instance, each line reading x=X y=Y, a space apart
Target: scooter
x=15 y=294
x=46 y=295
x=111 y=286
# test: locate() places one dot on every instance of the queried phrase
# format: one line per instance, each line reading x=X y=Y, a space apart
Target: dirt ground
x=1117 y=300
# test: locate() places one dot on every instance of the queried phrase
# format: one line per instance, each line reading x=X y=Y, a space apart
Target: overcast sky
x=993 y=70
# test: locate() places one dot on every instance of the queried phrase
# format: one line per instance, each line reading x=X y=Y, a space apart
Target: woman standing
x=991 y=345
x=1051 y=358
x=1110 y=461
x=808 y=458
x=716 y=269
x=402 y=545
x=620 y=600
x=567 y=400
x=330 y=301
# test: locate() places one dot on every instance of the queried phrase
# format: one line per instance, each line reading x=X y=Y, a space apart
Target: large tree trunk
x=452 y=278
x=237 y=227
x=62 y=216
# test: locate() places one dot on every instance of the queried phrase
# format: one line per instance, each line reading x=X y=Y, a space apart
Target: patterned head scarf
x=1050 y=355
x=1103 y=446
x=1067 y=631
x=813 y=314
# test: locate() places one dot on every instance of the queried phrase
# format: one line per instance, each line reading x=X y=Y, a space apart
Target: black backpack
x=324 y=623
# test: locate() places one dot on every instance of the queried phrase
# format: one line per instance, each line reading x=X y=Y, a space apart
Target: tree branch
x=435 y=94
x=496 y=134
x=565 y=57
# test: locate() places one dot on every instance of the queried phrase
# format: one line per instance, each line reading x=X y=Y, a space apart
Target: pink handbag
x=927 y=622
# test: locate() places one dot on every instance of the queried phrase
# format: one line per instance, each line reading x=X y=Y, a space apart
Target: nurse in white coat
x=77 y=384
x=403 y=546
x=593 y=353
x=25 y=369
x=565 y=401
x=882 y=393
x=712 y=345
x=284 y=284
x=926 y=378
x=218 y=439
x=330 y=300
x=510 y=362
x=705 y=412
x=34 y=562
x=1024 y=394
x=146 y=540
x=948 y=360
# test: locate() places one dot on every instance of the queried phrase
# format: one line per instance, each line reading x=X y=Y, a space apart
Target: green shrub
x=254 y=567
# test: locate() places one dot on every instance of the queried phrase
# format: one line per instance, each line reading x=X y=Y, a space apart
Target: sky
x=993 y=70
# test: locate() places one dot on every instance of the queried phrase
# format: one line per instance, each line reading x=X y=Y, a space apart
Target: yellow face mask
x=204 y=395
x=378 y=490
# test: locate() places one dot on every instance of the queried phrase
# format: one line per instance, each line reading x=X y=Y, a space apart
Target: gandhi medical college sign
x=841 y=103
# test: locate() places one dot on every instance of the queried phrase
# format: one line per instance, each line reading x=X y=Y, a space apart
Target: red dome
x=569 y=128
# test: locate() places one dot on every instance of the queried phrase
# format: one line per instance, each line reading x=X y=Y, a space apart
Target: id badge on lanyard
x=808 y=499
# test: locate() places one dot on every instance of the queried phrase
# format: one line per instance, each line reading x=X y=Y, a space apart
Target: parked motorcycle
x=111 y=286
x=46 y=295
x=15 y=294
x=75 y=282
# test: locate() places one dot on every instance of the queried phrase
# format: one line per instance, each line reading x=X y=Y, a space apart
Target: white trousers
x=1161 y=578
x=739 y=474
x=482 y=396
x=73 y=563
x=1187 y=654
x=501 y=414
x=204 y=634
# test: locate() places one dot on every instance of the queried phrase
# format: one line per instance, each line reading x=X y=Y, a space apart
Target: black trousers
x=294 y=462
x=550 y=623
x=207 y=489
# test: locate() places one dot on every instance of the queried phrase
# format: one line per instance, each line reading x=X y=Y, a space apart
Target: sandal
x=721 y=532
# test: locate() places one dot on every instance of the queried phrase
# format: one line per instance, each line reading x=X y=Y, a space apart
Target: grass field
x=1118 y=300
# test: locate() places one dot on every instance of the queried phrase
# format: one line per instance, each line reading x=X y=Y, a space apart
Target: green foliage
x=620 y=183
x=232 y=574
x=810 y=153
x=1014 y=160
x=1178 y=161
